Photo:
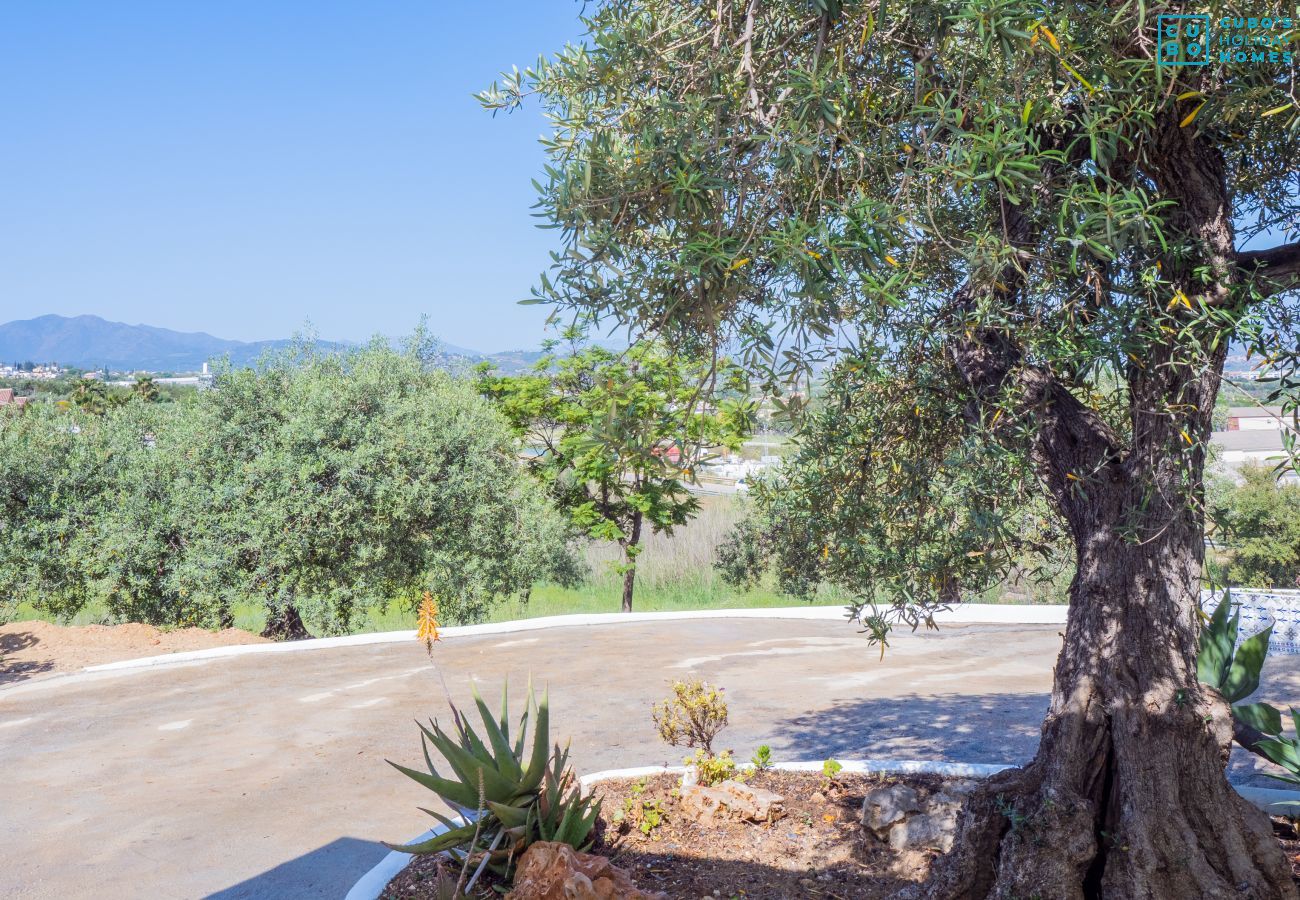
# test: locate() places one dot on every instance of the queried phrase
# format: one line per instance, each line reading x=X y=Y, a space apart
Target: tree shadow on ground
x=974 y=728
x=328 y=871
x=12 y=670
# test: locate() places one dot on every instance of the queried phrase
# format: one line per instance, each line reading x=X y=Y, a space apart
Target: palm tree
x=90 y=396
x=146 y=389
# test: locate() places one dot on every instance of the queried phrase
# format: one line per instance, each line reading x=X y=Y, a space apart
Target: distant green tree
x=91 y=396
x=941 y=519
x=1261 y=523
x=616 y=437
x=315 y=485
x=345 y=479
x=146 y=389
x=148 y=524
x=51 y=489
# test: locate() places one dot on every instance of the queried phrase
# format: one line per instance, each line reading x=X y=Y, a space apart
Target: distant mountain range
x=89 y=342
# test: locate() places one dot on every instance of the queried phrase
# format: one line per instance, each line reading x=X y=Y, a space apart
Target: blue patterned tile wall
x=1261 y=608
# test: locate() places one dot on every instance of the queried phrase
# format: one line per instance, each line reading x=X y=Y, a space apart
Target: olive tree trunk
x=1127 y=795
x=283 y=623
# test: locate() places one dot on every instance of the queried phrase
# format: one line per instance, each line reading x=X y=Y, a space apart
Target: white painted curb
x=372 y=884
x=965 y=614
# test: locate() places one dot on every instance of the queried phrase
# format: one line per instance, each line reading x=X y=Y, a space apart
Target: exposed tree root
x=1117 y=805
x=285 y=624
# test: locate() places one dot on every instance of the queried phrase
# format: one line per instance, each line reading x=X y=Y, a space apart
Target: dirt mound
x=28 y=649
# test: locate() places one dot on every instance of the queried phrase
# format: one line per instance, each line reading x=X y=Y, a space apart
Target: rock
x=885 y=806
x=753 y=803
x=705 y=805
x=921 y=832
x=730 y=800
x=960 y=787
x=549 y=870
x=818 y=797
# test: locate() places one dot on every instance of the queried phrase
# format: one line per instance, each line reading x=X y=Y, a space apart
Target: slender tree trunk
x=628 y=578
x=631 y=546
x=285 y=624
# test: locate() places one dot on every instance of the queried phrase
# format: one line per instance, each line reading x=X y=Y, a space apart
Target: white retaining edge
x=372 y=884
x=965 y=614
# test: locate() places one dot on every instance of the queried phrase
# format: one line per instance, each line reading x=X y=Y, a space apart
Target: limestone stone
x=887 y=805
x=924 y=831
x=731 y=800
x=549 y=870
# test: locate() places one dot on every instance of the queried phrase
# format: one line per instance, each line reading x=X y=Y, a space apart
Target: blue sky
x=242 y=167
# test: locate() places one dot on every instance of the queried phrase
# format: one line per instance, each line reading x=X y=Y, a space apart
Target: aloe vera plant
x=507 y=799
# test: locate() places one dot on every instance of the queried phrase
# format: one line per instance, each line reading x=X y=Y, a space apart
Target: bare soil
x=818 y=850
x=34 y=648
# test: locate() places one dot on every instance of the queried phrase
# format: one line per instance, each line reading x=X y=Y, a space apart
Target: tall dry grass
x=683 y=559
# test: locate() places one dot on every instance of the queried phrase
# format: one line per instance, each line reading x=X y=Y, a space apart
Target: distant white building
x=1250 y=446
x=1259 y=418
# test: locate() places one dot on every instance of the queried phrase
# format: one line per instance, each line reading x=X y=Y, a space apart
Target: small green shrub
x=762 y=758
x=643 y=815
x=831 y=768
x=713 y=769
x=692 y=716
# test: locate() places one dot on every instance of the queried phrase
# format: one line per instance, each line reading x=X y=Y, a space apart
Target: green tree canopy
x=616 y=437
x=1260 y=522
x=314 y=485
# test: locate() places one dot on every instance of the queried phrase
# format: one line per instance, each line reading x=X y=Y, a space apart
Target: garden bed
x=818 y=848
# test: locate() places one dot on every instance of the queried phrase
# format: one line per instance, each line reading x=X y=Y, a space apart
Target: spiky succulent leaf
x=1260 y=716
x=439 y=842
x=1243 y=673
x=510 y=815
x=506 y=762
x=522 y=805
x=504 y=720
x=1283 y=751
x=1216 y=646
x=541 y=745
x=454 y=792
x=482 y=771
x=442 y=820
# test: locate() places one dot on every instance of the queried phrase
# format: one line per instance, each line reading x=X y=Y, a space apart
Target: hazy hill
x=90 y=342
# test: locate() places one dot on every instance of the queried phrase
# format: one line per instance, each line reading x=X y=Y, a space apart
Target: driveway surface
x=263 y=776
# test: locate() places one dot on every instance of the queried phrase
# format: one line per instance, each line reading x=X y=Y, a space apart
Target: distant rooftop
x=1263 y=439
x=1254 y=412
x=8 y=398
